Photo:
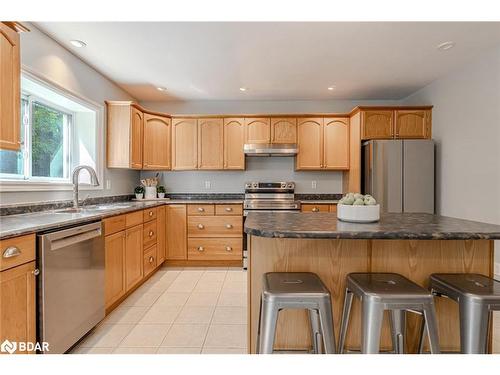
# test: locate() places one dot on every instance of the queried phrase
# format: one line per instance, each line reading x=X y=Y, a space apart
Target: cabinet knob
x=151 y=233
x=11 y=252
x=36 y=272
x=229 y=226
x=200 y=249
x=201 y=226
x=150 y=213
x=229 y=248
x=201 y=209
x=151 y=259
x=315 y=209
x=229 y=209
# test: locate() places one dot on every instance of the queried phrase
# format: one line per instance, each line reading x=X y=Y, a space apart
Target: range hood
x=270 y=149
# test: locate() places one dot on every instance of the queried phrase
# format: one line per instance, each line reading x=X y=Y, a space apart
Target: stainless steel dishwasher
x=71 y=284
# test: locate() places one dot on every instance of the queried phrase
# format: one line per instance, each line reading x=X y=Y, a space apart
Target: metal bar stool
x=295 y=290
x=387 y=291
x=477 y=296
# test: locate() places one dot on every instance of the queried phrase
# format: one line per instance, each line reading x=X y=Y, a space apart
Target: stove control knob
x=255 y=185
x=248 y=185
x=290 y=185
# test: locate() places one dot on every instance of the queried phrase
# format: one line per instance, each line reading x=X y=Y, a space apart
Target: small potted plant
x=161 y=191
x=139 y=192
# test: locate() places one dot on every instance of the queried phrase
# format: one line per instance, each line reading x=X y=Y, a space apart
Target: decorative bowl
x=358 y=214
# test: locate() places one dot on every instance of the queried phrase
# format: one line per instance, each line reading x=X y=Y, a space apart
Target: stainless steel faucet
x=76 y=174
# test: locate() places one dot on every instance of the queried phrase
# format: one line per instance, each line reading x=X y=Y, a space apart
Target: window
x=58 y=132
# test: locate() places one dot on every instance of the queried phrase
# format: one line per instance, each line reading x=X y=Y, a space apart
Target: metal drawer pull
x=11 y=251
x=200 y=249
x=36 y=272
x=229 y=226
x=229 y=209
x=150 y=213
x=151 y=259
x=151 y=233
x=201 y=209
x=315 y=209
x=201 y=226
x=229 y=248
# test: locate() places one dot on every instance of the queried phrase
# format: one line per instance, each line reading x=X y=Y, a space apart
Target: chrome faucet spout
x=76 y=173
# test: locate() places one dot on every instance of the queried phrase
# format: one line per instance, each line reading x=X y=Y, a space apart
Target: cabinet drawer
x=200 y=209
x=333 y=208
x=149 y=234
x=215 y=249
x=114 y=224
x=150 y=214
x=149 y=263
x=315 y=208
x=215 y=226
x=16 y=251
x=228 y=209
x=132 y=219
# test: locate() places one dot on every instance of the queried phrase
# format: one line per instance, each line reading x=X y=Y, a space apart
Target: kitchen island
x=414 y=245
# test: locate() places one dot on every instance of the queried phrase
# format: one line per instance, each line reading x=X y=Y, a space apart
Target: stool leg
x=315 y=330
x=268 y=327
x=345 y=319
x=257 y=344
x=398 y=324
x=474 y=323
x=327 y=331
x=432 y=327
x=423 y=327
x=371 y=326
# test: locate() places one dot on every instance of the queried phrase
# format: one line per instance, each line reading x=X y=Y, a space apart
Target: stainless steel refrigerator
x=399 y=174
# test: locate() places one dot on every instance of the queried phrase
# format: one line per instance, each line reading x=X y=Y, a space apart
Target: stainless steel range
x=268 y=197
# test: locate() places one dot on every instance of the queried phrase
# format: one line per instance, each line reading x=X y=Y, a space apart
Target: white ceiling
x=276 y=61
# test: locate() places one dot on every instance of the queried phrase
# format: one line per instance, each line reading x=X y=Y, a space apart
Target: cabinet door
x=114 y=247
x=156 y=142
x=257 y=130
x=336 y=141
x=17 y=304
x=10 y=72
x=413 y=123
x=161 y=227
x=283 y=130
x=133 y=256
x=176 y=232
x=210 y=143
x=310 y=141
x=377 y=124
x=184 y=144
x=136 y=138
x=234 y=139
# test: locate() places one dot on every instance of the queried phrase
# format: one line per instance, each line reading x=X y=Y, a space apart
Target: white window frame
x=61 y=184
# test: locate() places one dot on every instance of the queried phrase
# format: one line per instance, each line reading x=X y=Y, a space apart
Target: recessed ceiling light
x=446 y=46
x=161 y=89
x=331 y=88
x=78 y=43
x=243 y=89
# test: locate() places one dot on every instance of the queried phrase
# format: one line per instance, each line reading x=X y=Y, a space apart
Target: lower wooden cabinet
x=215 y=249
x=150 y=260
x=17 y=304
x=161 y=226
x=320 y=207
x=133 y=256
x=114 y=248
x=176 y=232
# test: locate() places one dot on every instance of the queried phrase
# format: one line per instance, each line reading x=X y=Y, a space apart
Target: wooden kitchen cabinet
x=336 y=143
x=114 y=248
x=10 y=91
x=136 y=142
x=176 y=232
x=133 y=256
x=17 y=304
x=161 y=222
x=377 y=124
x=412 y=124
x=310 y=142
x=257 y=130
x=156 y=153
x=284 y=130
x=210 y=143
x=234 y=139
x=315 y=207
x=184 y=144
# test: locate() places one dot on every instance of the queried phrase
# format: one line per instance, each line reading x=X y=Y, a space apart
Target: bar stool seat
x=477 y=295
x=295 y=290
x=387 y=291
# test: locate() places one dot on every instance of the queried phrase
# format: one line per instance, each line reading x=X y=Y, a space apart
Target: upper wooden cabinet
x=234 y=139
x=156 y=153
x=136 y=139
x=210 y=143
x=10 y=82
x=412 y=123
x=310 y=142
x=257 y=130
x=377 y=124
x=336 y=143
x=283 y=130
x=184 y=143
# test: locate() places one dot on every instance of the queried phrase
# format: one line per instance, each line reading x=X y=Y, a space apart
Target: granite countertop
x=319 y=201
x=15 y=225
x=390 y=226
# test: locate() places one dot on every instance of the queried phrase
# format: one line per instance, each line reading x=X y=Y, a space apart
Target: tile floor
x=178 y=310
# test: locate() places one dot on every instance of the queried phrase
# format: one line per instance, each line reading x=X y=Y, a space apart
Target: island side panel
x=417 y=260
x=332 y=260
